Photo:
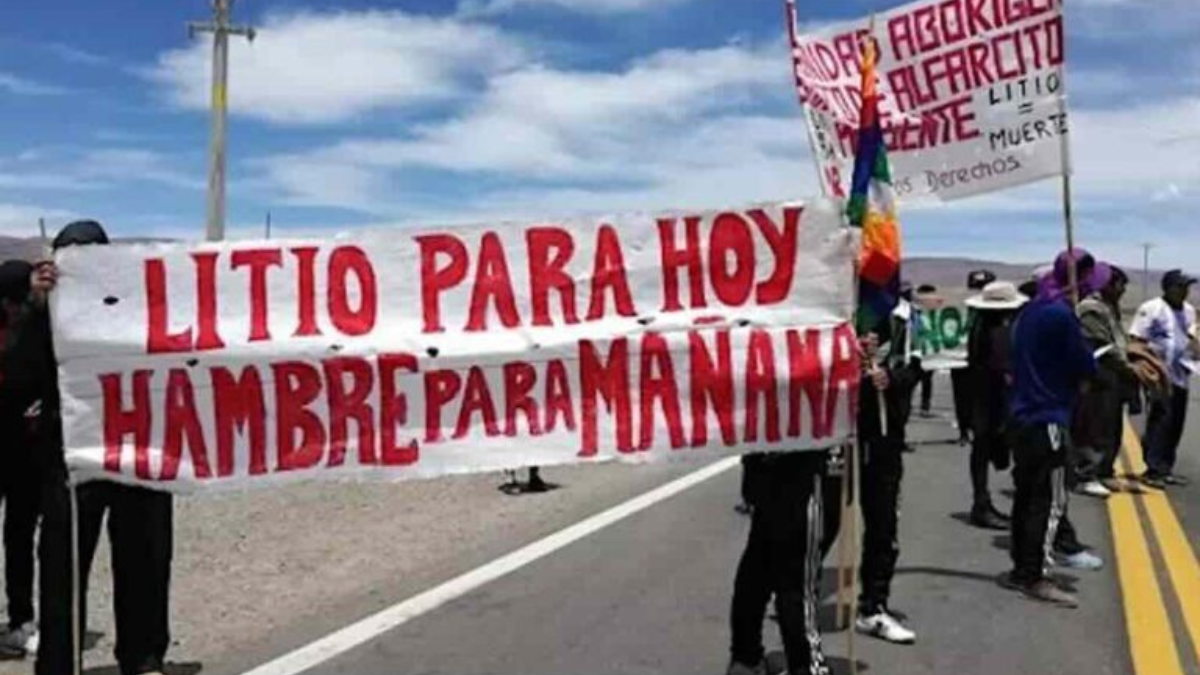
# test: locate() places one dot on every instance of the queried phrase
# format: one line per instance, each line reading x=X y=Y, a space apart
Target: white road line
x=385 y=620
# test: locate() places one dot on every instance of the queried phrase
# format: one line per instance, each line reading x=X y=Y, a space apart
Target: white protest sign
x=416 y=353
x=972 y=95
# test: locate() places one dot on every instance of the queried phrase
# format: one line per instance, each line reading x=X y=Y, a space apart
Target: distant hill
x=948 y=274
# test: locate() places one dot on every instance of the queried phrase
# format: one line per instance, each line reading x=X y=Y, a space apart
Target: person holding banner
x=18 y=478
x=782 y=558
x=961 y=378
x=889 y=380
x=1050 y=364
x=139 y=520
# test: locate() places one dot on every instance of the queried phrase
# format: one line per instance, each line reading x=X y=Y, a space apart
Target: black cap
x=14 y=280
x=925 y=289
x=79 y=233
x=1175 y=278
x=977 y=279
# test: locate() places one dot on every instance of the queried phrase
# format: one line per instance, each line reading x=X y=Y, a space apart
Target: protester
x=18 y=481
x=782 y=559
x=1050 y=363
x=1100 y=416
x=960 y=378
x=1168 y=325
x=987 y=380
x=139 y=520
x=926 y=298
x=890 y=383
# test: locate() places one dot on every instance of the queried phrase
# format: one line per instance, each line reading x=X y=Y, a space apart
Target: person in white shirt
x=1168 y=325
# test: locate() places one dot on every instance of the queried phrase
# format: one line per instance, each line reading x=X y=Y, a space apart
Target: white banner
x=972 y=95
x=402 y=353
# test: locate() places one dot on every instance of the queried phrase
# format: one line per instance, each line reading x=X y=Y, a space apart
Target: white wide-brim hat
x=998 y=295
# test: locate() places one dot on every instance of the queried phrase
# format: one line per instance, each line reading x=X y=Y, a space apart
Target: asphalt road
x=651 y=595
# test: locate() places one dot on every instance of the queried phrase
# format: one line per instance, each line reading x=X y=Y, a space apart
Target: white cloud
x=75 y=55
x=313 y=68
x=114 y=165
x=542 y=124
x=486 y=7
x=20 y=86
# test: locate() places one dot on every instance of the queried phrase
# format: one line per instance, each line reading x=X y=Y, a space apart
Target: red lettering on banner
x=435 y=278
x=546 y=273
x=344 y=261
x=393 y=411
x=158 y=338
x=350 y=403
x=519 y=380
x=711 y=381
x=608 y=274
x=783 y=243
x=608 y=381
x=925 y=23
x=239 y=408
x=207 y=337
x=844 y=372
x=306 y=292
x=977 y=19
x=259 y=261
x=900 y=30
x=182 y=424
x=120 y=422
x=297 y=386
x=760 y=383
x=806 y=379
x=558 y=397
x=731 y=234
x=477 y=399
x=673 y=258
x=441 y=386
x=493 y=285
x=849 y=51
x=660 y=386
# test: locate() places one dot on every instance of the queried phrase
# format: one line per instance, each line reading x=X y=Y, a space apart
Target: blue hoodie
x=1050 y=360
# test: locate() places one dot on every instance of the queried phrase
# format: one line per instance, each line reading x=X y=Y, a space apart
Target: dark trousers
x=1097 y=429
x=962 y=386
x=882 y=470
x=926 y=391
x=1164 y=430
x=19 y=493
x=753 y=480
x=1039 y=457
x=782 y=558
x=140 y=538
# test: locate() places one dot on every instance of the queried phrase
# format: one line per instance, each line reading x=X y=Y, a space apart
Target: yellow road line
x=1182 y=566
x=1151 y=640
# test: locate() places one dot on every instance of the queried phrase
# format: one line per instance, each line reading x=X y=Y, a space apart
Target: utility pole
x=221 y=29
x=268 y=224
x=1146 y=270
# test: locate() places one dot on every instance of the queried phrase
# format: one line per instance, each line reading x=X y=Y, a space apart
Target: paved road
x=650 y=595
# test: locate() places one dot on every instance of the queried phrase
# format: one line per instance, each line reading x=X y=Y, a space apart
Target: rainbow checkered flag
x=872 y=208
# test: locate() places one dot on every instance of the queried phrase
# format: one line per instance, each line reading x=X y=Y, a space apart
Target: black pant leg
x=751 y=593
x=56 y=647
x=796 y=522
x=21 y=494
x=926 y=390
x=1156 y=439
x=1179 y=406
x=882 y=472
x=141 y=533
x=981 y=452
x=1040 y=496
x=961 y=383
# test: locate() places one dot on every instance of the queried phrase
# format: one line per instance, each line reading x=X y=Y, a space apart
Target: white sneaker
x=1083 y=560
x=1095 y=488
x=19 y=641
x=885 y=627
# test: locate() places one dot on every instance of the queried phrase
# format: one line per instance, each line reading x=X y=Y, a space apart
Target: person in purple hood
x=1050 y=362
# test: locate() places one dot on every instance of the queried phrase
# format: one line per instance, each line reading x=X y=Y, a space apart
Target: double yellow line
x=1151 y=637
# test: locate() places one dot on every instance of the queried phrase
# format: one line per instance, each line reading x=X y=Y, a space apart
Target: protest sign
x=417 y=353
x=941 y=337
x=972 y=95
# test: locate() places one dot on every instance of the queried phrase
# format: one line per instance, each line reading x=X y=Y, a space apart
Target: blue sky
x=398 y=112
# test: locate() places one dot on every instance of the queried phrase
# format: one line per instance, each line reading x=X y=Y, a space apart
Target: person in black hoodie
x=139 y=520
x=18 y=479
